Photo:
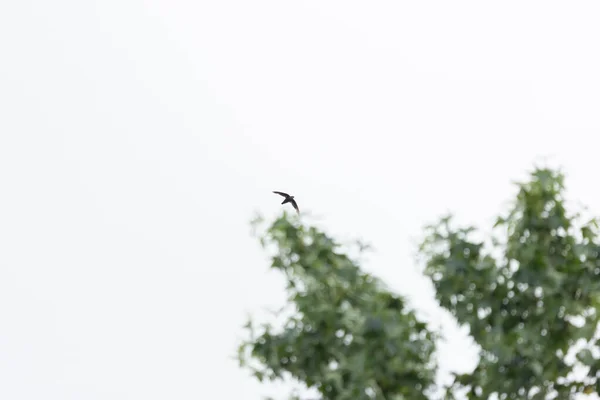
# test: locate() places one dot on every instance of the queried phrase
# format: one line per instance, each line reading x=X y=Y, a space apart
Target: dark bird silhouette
x=288 y=199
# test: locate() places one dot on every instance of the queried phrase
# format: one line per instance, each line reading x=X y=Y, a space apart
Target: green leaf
x=586 y=357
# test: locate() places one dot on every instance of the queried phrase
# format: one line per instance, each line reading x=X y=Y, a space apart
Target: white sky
x=138 y=138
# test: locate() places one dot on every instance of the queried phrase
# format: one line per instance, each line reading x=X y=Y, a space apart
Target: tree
x=348 y=336
x=529 y=295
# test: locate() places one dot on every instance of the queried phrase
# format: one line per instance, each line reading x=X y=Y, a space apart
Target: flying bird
x=288 y=199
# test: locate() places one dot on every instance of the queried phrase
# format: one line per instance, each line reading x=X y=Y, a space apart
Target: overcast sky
x=138 y=138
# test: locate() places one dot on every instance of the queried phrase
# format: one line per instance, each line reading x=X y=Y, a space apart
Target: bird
x=288 y=199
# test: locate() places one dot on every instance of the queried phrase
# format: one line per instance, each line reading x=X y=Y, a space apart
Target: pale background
x=138 y=138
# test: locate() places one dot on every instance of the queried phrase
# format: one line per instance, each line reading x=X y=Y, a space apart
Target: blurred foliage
x=528 y=295
x=530 y=304
x=348 y=337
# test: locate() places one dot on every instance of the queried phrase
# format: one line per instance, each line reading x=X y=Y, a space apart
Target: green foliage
x=349 y=337
x=528 y=295
x=529 y=306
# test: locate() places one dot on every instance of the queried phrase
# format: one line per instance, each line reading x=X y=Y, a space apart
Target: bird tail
x=285 y=201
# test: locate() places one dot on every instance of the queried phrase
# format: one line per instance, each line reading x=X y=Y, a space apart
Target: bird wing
x=282 y=194
x=295 y=205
